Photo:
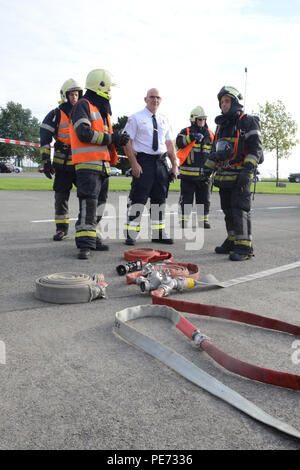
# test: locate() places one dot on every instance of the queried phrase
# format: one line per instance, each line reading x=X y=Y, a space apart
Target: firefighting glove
x=119 y=139
x=243 y=178
x=198 y=137
x=48 y=169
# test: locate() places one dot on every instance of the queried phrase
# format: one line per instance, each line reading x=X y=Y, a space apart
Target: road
x=68 y=382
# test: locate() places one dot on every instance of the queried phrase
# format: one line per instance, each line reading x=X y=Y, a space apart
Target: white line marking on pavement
x=260 y=274
x=168 y=213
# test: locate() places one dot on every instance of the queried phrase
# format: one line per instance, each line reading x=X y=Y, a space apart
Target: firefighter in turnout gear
x=93 y=150
x=195 y=144
x=237 y=151
x=56 y=125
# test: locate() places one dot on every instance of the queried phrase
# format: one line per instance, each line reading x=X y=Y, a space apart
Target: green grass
x=26 y=184
x=123 y=184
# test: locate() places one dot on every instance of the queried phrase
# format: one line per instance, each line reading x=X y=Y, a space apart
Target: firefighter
x=93 y=150
x=237 y=151
x=56 y=126
x=195 y=144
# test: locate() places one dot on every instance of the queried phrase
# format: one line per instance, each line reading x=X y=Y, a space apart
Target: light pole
x=246 y=71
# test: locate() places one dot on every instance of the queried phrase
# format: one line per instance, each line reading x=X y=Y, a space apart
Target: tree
x=119 y=126
x=17 y=123
x=278 y=131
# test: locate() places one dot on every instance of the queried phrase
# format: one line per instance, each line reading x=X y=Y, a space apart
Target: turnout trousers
x=92 y=191
x=153 y=183
x=236 y=205
x=63 y=183
x=190 y=190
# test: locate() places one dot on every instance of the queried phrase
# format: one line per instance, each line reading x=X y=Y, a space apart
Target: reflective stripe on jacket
x=183 y=153
x=193 y=156
x=63 y=132
x=234 y=161
x=90 y=152
x=62 y=147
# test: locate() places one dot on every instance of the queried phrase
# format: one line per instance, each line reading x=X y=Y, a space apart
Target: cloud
x=189 y=50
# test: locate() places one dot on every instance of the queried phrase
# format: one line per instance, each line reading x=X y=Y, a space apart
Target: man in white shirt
x=151 y=140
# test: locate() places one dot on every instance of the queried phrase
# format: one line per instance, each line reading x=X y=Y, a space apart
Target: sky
x=188 y=50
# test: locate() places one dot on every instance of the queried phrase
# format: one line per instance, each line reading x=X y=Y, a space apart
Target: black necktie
x=155 y=134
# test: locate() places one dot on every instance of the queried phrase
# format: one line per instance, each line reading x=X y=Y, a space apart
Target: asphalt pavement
x=68 y=382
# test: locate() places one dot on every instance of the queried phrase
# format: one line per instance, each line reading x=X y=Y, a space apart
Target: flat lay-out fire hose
x=184 y=367
x=272 y=377
x=162 y=278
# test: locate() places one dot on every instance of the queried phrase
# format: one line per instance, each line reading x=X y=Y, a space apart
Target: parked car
x=11 y=167
x=128 y=172
x=18 y=169
x=294 y=178
x=5 y=167
x=114 y=171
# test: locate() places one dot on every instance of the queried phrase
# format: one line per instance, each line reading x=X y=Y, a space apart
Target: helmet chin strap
x=104 y=95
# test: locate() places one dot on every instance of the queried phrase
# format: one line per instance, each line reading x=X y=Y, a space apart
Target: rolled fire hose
x=147 y=255
x=184 y=367
x=70 y=288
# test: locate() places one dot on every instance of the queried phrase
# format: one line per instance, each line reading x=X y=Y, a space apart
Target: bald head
x=152 y=100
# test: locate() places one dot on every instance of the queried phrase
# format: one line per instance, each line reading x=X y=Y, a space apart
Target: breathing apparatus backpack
x=241 y=136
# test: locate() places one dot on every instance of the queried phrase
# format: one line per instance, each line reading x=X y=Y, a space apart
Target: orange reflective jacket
x=87 y=152
x=182 y=154
x=63 y=133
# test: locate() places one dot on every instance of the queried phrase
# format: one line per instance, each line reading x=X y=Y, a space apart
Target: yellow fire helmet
x=100 y=81
x=69 y=85
x=197 y=112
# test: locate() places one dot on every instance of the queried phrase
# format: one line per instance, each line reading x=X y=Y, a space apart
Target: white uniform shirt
x=140 y=128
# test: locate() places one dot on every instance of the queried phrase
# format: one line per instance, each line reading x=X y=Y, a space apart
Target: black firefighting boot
x=100 y=246
x=131 y=233
x=243 y=250
x=206 y=222
x=84 y=253
x=60 y=235
x=129 y=241
x=226 y=247
x=160 y=236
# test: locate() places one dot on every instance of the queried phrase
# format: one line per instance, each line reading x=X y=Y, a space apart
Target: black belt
x=159 y=156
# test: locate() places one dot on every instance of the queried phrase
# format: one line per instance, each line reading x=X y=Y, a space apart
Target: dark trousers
x=190 y=190
x=63 y=183
x=236 y=205
x=92 y=191
x=153 y=183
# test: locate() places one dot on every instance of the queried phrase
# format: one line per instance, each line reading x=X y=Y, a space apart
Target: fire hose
x=184 y=367
x=250 y=371
x=147 y=255
x=70 y=288
x=160 y=283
